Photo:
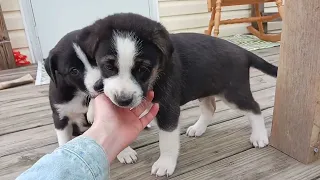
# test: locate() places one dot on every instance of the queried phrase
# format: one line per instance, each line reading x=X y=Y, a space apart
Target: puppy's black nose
x=124 y=100
x=98 y=86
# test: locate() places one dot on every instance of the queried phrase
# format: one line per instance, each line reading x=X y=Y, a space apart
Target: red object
x=21 y=60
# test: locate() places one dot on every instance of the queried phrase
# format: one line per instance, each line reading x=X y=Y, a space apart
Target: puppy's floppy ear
x=161 y=39
x=50 y=65
x=88 y=40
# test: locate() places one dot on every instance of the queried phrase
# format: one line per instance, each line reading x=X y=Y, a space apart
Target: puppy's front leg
x=127 y=156
x=90 y=113
x=169 y=141
x=63 y=129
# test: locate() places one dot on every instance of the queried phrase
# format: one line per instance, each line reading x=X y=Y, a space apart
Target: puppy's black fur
x=67 y=86
x=191 y=65
x=185 y=67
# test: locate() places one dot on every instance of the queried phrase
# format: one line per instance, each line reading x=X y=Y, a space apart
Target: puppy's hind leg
x=207 y=107
x=243 y=99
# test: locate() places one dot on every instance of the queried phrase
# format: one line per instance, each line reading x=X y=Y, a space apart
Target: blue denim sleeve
x=79 y=159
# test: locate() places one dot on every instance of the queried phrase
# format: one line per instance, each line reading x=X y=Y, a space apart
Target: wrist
x=106 y=139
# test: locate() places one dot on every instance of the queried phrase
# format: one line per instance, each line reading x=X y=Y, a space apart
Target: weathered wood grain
x=7 y=60
x=263 y=164
x=45 y=134
x=219 y=141
x=296 y=126
x=11 y=166
x=28 y=113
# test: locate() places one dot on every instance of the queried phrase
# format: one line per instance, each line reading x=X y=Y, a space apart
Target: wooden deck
x=223 y=152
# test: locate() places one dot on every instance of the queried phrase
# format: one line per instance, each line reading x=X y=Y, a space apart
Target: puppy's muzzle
x=124 y=100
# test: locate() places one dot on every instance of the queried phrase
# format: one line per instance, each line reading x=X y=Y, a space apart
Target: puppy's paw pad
x=127 y=156
x=259 y=139
x=164 y=166
x=196 y=130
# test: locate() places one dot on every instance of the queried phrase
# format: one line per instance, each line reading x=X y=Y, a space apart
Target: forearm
x=81 y=158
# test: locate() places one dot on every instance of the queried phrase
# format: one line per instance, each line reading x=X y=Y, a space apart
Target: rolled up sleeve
x=80 y=158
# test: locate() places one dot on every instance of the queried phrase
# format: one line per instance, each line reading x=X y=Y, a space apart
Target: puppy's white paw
x=90 y=113
x=196 y=130
x=259 y=138
x=165 y=165
x=127 y=156
x=149 y=125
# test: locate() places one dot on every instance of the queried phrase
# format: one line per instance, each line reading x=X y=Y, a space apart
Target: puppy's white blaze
x=126 y=46
x=82 y=56
x=91 y=77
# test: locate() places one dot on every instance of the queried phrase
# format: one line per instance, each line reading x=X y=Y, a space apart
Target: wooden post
x=7 y=60
x=296 y=121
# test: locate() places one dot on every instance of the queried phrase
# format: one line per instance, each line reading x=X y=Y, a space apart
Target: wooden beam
x=7 y=60
x=296 y=121
x=253 y=14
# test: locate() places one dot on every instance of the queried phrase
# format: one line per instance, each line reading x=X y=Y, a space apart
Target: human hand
x=114 y=128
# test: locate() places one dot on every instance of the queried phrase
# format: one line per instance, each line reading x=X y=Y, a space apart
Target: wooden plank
x=18 y=39
x=297 y=104
x=10 y=5
x=18 y=70
x=219 y=141
x=7 y=60
x=264 y=164
x=230 y=138
x=11 y=166
x=197 y=20
x=31 y=108
x=13 y=20
x=25 y=140
x=174 y=8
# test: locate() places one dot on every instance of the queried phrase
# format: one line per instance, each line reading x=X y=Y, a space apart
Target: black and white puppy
x=136 y=54
x=75 y=79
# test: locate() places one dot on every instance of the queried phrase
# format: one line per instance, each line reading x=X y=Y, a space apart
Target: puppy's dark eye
x=108 y=67
x=74 y=72
x=143 y=69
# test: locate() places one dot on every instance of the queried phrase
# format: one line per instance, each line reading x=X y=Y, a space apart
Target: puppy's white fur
x=64 y=135
x=91 y=74
x=207 y=111
x=169 y=143
x=73 y=109
x=259 y=134
x=128 y=155
x=127 y=48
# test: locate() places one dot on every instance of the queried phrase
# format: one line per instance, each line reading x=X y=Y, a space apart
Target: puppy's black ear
x=88 y=40
x=50 y=65
x=162 y=40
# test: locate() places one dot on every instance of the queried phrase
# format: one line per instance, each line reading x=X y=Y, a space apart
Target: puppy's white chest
x=74 y=108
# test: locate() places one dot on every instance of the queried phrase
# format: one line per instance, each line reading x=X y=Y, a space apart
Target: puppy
x=136 y=54
x=75 y=79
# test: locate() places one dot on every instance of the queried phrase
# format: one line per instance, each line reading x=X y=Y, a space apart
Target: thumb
x=102 y=101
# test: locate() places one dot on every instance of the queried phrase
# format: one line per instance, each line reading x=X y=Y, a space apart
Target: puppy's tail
x=259 y=63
